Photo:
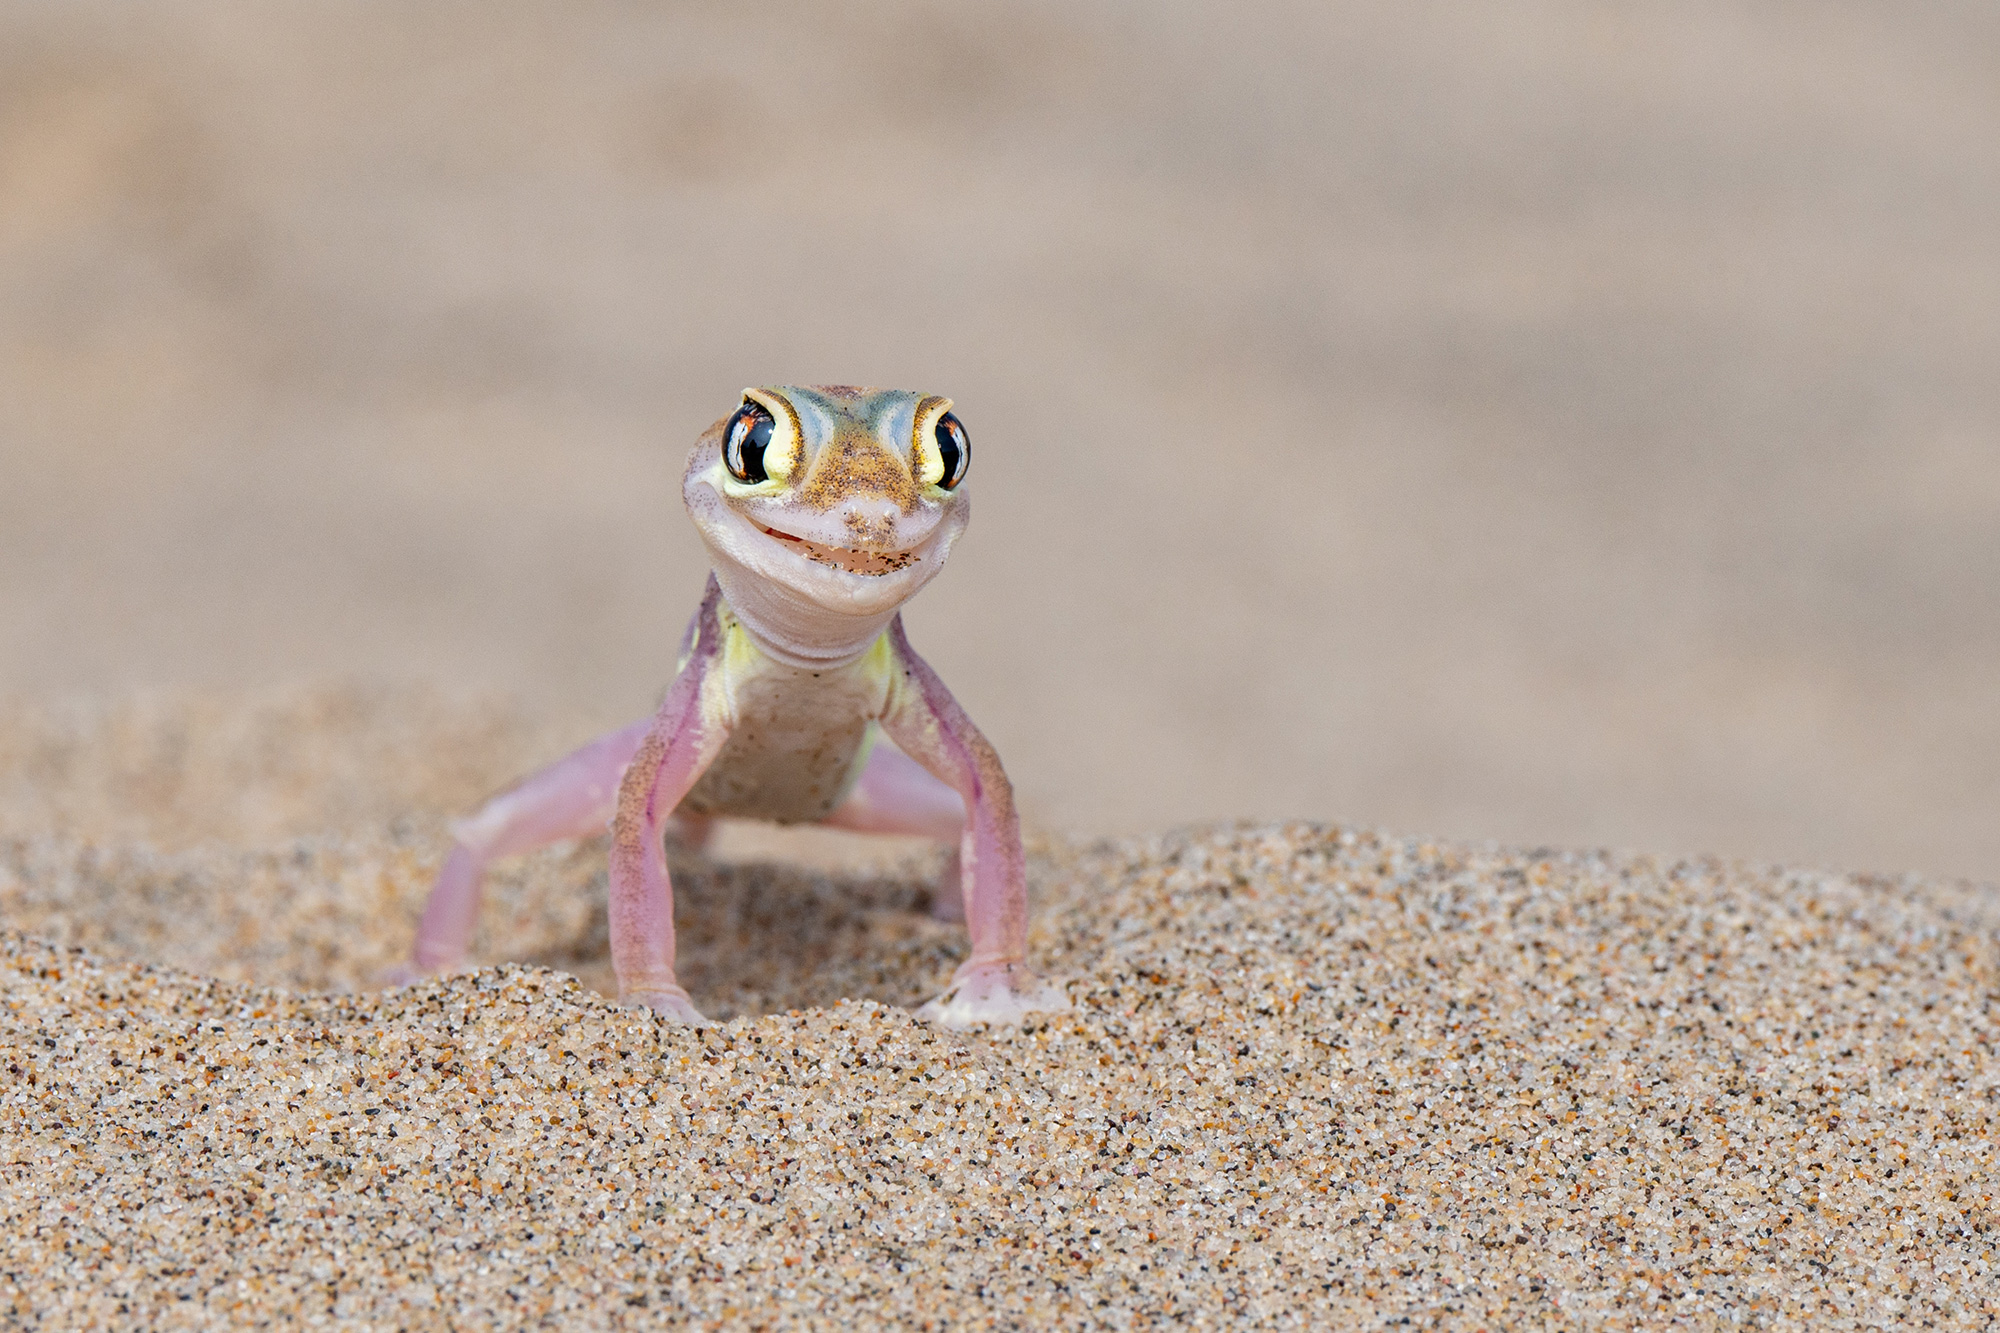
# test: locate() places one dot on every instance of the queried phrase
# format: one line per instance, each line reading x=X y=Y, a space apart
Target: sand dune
x=1315 y=1076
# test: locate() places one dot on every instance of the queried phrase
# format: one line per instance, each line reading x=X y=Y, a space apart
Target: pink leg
x=897 y=795
x=571 y=798
x=995 y=985
x=678 y=745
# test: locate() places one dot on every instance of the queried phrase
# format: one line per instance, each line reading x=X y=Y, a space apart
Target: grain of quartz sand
x=1315 y=1077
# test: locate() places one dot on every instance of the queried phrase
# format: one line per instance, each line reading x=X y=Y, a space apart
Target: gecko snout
x=871 y=522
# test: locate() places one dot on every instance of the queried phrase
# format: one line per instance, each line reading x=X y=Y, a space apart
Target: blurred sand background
x=1570 y=423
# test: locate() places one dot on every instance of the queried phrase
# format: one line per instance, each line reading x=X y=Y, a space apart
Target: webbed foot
x=671 y=1003
x=995 y=993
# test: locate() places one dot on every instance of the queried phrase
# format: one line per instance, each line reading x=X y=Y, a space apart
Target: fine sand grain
x=1316 y=1077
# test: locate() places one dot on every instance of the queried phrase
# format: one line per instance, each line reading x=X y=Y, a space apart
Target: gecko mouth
x=872 y=563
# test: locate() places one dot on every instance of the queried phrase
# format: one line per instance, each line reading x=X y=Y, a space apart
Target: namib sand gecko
x=824 y=510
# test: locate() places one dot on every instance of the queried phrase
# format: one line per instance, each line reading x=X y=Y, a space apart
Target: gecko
x=824 y=509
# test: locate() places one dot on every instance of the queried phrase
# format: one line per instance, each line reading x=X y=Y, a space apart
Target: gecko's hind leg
x=895 y=794
x=571 y=798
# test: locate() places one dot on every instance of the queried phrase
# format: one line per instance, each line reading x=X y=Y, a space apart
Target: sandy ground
x=1564 y=423
x=1316 y=1077
x=1551 y=421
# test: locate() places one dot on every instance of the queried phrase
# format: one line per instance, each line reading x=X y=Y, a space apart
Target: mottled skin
x=794 y=665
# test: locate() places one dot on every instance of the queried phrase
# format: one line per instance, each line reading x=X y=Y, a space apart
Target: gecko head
x=848 y=499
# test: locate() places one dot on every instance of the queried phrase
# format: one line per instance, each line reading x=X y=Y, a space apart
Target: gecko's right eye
x=954 y=450
x=744 y=440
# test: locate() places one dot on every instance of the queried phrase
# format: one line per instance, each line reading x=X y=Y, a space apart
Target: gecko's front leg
x=994 y=985
x=571 y=798
x=686 y=734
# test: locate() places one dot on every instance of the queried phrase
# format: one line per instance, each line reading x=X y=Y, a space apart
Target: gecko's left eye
x=744 y=440
x=955 y=448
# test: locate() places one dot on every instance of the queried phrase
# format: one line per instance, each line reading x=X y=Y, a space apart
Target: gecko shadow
x=759 y=937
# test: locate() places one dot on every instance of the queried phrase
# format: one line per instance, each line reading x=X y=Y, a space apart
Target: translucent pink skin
x=670 y=756
x=571 y=798
x=994 y=985
x=634 y=777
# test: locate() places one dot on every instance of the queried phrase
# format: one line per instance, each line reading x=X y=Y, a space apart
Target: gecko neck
x=792 y=630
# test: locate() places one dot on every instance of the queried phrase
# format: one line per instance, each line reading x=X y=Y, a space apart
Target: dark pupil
x=749 y=434
x=951 y=448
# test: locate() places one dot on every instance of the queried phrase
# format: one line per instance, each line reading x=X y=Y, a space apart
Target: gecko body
x=824 y=510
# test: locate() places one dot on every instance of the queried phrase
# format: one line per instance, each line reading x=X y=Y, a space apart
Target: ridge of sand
x=1316 y=1077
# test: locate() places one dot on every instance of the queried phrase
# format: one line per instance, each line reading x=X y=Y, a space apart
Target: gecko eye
x=955 y=448
x=744 y=440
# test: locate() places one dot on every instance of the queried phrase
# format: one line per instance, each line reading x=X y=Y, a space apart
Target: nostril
x=876 y=520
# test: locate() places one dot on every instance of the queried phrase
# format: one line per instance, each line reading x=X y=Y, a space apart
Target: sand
x=1558 y=422
x=1550 y=421
x=1316 y=1076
